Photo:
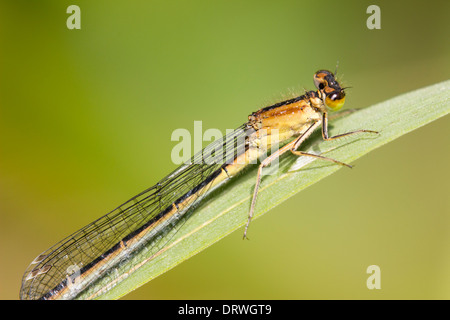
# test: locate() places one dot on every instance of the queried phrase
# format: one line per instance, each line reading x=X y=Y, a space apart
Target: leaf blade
x=226 y=209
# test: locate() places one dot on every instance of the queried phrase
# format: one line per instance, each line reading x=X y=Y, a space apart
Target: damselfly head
x=332 y=93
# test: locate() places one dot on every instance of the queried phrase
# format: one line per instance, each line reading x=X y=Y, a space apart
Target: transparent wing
x=50 y=268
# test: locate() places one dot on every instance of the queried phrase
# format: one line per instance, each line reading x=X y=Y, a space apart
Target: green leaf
x=226 y=209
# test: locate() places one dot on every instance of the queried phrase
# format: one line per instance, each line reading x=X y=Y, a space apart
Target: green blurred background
x=86 y=118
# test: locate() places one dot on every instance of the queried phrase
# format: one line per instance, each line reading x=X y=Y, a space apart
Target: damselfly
x=148 y=220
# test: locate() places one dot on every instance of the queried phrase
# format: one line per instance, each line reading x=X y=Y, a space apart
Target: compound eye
x=334 y=96
x=335 y=100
